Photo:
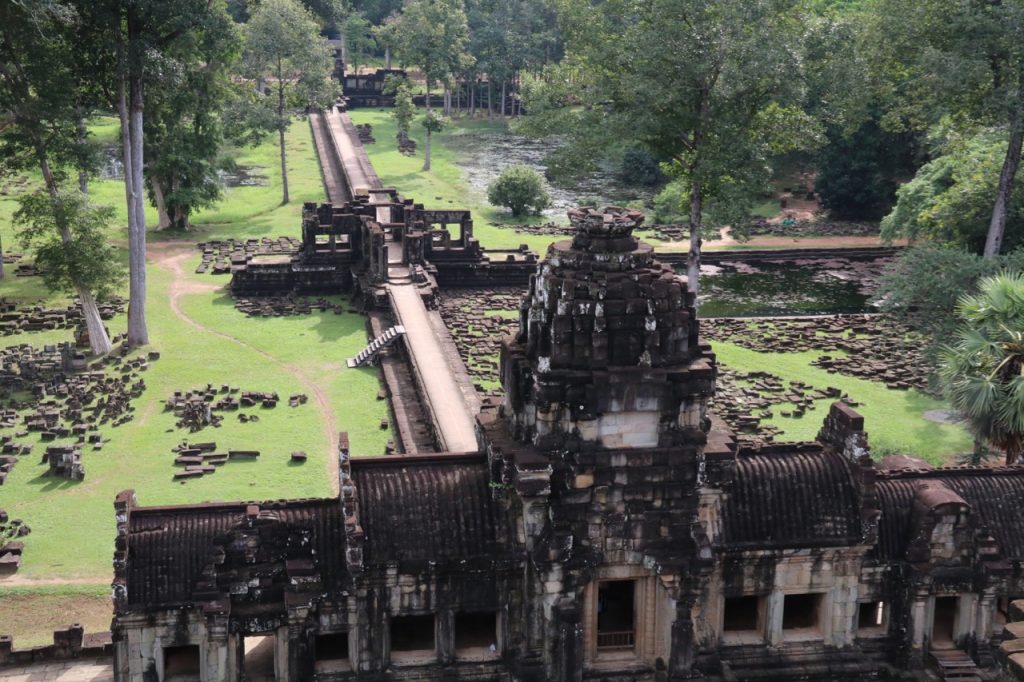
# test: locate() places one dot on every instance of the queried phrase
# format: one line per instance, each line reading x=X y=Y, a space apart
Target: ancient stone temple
x=608 y=527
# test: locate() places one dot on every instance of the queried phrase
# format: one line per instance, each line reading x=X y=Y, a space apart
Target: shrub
x=672 y=204
x=519 y=188
x=640 y=168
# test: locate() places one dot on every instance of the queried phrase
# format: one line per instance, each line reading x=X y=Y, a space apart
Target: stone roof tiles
x=994 y=497
x=169 y=547
x=421 y=509
x=798 y=498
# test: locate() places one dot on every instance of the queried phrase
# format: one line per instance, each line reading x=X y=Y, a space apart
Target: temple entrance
x=944 y=623
x=182 y=663
x=258 y=658
x=616 y=619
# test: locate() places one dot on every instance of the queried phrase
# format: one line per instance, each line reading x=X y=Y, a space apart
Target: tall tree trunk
x=2 y=273
x=997 y=226
x=99 y=341
x=503 y=99
x=138 y=330
x=344 y=51
x=446 y=99
x=83 y=177
x=426 y=152
x=387 y=57
x=426 y=147
x=693 y=257
x=161 y=204
x=280 y=132
x=472 y=98
x=512 y=93
x=490 y=103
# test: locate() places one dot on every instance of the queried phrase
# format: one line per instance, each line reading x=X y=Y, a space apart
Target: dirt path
x=172 y=256
x=21 y=581
x=767 y=242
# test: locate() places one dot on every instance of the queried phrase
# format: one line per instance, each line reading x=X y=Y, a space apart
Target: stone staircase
x=955 y=665
x=369 y=353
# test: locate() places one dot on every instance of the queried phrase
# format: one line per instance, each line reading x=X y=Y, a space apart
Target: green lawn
x=72 y=522
x=893 y=418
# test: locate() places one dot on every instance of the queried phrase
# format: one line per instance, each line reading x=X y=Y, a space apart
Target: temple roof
x=994 y=496
x=432 y=508
x=168 y=547
x=800 y=497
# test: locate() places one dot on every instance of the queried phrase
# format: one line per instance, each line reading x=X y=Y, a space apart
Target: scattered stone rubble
x=65 y=461
x=365 y=132
x=21 y=269
x=219 y=256
x=285 y=306
x=478 y=331
x=10 y=547
x=201 y=459
x=813 y=228
x=406 y=145
x=873 y=347
x=744 y=399
x=49 y=391
x=15 y=319
x=196 y=409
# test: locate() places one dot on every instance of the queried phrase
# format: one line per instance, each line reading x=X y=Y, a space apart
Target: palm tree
x=982 y=373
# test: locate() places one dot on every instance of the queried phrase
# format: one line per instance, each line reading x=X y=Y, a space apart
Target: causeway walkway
x=431 y=351
x=78 y=670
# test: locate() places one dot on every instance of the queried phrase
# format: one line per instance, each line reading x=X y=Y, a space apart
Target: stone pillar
x=281 y=653
x=300 y=661
x=683 y=642
x=921 y=607
x=569 y=643
x=218 y=656
x=445 y=639
x=773 y=618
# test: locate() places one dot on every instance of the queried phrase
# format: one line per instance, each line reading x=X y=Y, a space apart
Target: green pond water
x=779 y=289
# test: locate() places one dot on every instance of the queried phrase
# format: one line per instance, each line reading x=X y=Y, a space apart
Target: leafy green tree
x=359 y=39
x=858 y=172
x=688 y=80
x=519 y=188
x=961 y=60
x=67 y=234
x=924 y=283
x=982 y=372
x=430 y=34
x=949 y=199
x=283 y=46
x=38 y=85
x=432 y=123
x=185 y=131
x=404 y=111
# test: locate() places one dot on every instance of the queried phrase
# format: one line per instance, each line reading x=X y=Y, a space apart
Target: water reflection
x=804 y=287
x=483 y=155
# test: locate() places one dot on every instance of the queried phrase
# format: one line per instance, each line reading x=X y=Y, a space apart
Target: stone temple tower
x=607 y=350
x=600 y=445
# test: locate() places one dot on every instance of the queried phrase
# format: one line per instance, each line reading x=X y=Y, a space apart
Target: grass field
x=893 y=418
x=202 y=339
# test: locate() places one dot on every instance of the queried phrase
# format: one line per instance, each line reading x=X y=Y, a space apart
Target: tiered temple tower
x=600 y=444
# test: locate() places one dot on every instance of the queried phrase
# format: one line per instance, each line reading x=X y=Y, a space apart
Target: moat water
x=484 y=154
x=781 y=288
